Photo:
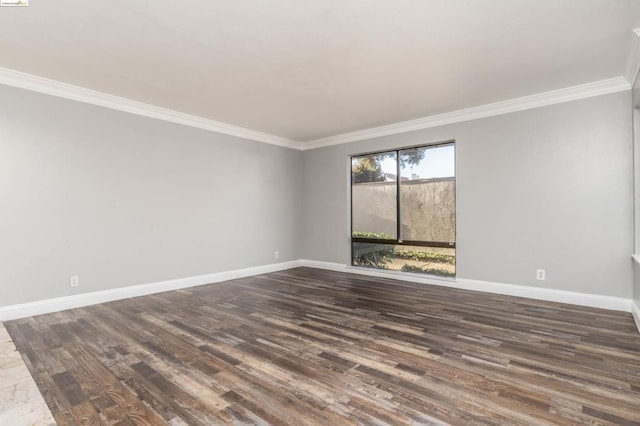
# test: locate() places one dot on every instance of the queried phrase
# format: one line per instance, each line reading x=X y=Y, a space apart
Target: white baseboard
x=85 y=299
x=76 y=301
x=562 y=296
x=635 y=311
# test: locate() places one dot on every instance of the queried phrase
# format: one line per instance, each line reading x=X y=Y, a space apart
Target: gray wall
x=546 y=188
x=120 y=199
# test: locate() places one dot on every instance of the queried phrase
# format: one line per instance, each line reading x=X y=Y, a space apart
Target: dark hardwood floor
x=307 y=346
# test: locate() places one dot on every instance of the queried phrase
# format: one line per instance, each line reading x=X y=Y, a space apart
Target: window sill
x=407 y=276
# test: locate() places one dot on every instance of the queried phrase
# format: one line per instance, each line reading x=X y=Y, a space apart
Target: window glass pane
x=424 y=193
x=420 y=260
x=373 y=195
x=427 y=194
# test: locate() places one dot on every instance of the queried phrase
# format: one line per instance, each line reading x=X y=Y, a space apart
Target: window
x=403 y=210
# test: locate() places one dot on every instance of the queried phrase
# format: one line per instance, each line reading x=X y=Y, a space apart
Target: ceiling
x=308 y=69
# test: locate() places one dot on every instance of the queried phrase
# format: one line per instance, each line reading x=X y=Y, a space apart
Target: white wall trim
x=76 y=301
x=35 y=83
x=633 y=63
x=635 y=311
x=85 y=299
x=573 y=93
x=552 y=295
x=63 y=90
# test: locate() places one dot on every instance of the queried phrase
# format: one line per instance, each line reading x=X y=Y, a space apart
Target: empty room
x=296 y=212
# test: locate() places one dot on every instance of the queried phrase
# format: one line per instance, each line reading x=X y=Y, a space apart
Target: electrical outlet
x=74 y=281
x=541 y=275
x=276 y=255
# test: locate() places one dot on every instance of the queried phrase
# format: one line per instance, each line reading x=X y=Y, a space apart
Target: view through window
x=403 y=210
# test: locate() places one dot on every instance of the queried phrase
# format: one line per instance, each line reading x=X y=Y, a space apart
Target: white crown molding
x=34 y=83
x=63 y=90
x=633 y=63
x=85 y=299
x=573 y=93
x=552 y=295
x=635 y=311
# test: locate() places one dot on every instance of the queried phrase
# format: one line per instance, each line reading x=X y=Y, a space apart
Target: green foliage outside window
x=379 y=255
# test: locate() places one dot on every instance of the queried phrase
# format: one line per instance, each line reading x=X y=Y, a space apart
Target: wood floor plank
x=308 y=347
